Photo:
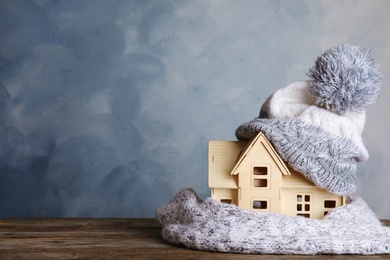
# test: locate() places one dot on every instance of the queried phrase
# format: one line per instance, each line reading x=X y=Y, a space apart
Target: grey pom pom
x=345 y=78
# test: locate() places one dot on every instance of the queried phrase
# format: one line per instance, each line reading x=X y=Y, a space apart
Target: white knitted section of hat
x=213 y=226
x=295 y=101
x=288 y=102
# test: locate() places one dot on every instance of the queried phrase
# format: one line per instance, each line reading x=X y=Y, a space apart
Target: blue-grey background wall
x=106 y=107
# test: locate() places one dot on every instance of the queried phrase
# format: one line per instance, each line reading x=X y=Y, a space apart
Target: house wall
x=308 y=202
x=299 y=196
x=225 y=195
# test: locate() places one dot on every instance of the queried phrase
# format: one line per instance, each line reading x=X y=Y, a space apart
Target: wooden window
x=329 y=204
x=260 y=183
x=260 y=177
x=260 y=204
x=227 y=201
x=303 y=205
x=260 y=170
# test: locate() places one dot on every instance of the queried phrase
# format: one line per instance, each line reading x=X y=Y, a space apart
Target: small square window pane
x=227 y=201
x=260 y=183
x=259 y=204
x=329 y=204
x=260 y=170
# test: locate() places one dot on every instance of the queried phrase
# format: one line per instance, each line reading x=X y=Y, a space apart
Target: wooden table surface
x=107 y=239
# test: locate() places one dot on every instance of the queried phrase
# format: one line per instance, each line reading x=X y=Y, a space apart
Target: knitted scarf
x=213 y=226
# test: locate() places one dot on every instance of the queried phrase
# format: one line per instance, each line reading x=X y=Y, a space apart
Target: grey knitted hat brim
x=328 y=161
x=213 y=226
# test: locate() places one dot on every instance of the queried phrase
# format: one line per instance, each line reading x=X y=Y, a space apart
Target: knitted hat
x=316 y=125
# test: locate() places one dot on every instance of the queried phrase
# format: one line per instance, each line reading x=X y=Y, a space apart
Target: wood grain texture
x=107 y=239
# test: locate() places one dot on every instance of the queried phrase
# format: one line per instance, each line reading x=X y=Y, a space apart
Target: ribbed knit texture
x=213 y=226
x=294 y=101
x=328 y=161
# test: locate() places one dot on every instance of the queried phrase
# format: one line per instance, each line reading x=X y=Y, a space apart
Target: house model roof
x=226 y=157
x=260 y=139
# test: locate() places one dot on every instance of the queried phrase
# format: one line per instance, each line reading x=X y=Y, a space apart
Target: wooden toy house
x=252 y=176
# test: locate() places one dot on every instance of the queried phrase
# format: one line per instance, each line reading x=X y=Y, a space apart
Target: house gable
x=247 y=155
